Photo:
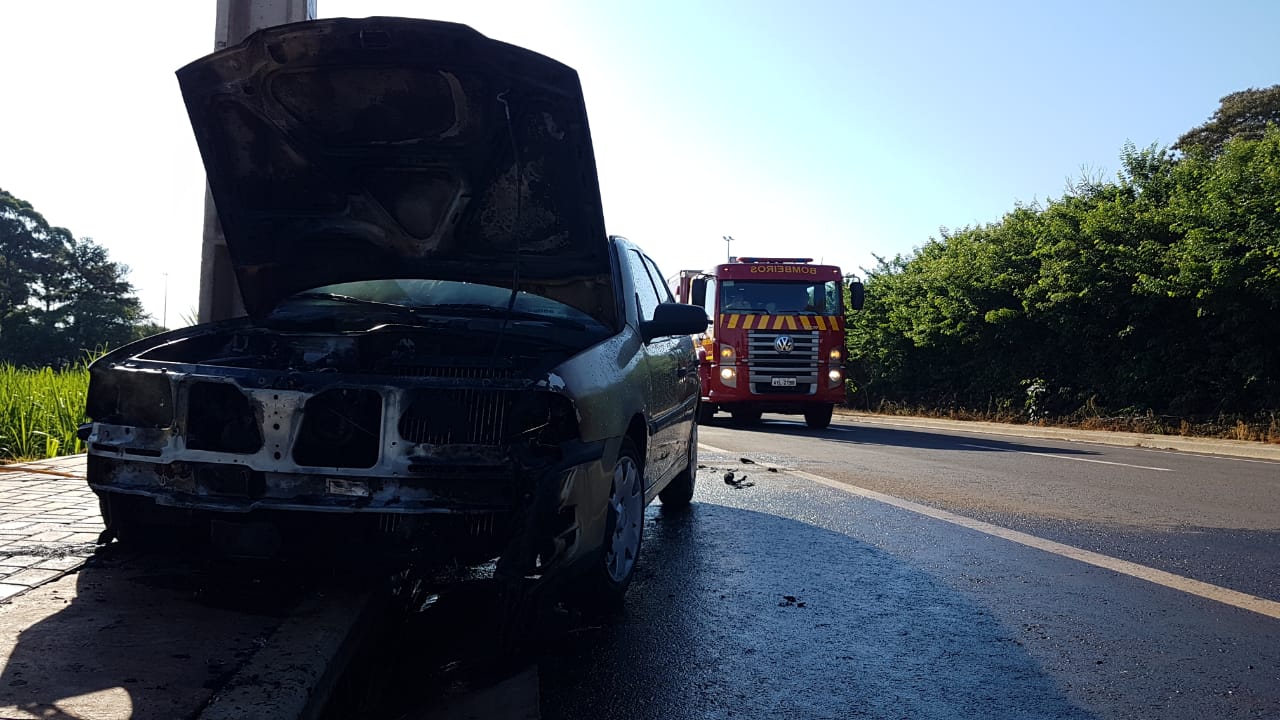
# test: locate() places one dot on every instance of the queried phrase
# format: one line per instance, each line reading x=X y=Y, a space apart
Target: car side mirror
x=857 y=295
x=674 y=319
x=698 y=292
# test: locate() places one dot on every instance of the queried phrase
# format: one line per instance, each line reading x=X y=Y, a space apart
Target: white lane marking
x=1186 y=453
x=1065 y=457
x=1234 y=598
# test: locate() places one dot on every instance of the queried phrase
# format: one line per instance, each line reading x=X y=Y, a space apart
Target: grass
x=40 y=411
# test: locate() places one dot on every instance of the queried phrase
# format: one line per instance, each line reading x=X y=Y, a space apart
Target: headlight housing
x=729 y=376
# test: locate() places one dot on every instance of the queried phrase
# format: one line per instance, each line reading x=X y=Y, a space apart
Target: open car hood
x=341 y=150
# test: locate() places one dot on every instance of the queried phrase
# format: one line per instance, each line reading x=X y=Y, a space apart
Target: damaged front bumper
x=444 y=469
x=533 y=520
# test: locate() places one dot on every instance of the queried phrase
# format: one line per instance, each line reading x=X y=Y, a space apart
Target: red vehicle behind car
x=777 y=339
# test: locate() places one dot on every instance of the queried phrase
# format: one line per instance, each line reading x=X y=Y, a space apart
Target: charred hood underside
x=342 y=150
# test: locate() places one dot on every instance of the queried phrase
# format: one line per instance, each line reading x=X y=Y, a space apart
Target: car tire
x=747 y=417
x=607 y=583
x=679 y=492
x=818 y=418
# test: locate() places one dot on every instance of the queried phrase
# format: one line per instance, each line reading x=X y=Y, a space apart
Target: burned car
x=444 y=353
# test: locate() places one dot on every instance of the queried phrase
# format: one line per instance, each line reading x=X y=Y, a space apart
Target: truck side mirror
x=698 y=292
x=857 y=294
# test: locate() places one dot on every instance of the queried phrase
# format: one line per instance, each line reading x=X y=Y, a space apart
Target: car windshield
x=780 y=298
x=446 y=297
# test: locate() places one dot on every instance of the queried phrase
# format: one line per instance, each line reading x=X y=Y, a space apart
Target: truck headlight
x=729 y=377
x=835 y=355
x=834 y=376
x=727 y=354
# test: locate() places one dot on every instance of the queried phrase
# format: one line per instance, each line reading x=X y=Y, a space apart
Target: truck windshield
x=780 y=298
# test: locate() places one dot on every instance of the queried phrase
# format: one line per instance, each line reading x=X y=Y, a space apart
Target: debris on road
x=791 y=601
x=746 y=461
x=738 y=483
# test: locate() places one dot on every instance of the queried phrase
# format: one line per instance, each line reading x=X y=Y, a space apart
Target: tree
x=1244 y=114
x=60 y=297
x=1157 y=292
x=31 y=252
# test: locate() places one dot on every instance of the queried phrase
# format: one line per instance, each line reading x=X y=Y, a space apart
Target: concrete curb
x=1208 y=446
x=293 y=675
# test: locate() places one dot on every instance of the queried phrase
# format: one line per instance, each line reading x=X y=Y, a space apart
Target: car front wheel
x=624 y=526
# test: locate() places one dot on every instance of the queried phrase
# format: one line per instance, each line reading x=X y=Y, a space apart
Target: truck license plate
x=784 y=382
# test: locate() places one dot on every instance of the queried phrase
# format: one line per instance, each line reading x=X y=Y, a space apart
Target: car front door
x=661 y=372
x=674 y=378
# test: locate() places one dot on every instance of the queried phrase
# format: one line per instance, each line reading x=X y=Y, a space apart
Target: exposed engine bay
x=394 y=421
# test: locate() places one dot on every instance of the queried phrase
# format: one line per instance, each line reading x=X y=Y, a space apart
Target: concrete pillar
x=237 y=19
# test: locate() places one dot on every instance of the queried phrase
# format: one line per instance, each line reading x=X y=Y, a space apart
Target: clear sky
x=832 y=129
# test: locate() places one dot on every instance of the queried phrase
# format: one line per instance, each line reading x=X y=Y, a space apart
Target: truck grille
x=765 y=361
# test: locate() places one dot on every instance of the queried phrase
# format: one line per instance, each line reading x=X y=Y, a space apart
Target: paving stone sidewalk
x=49 y=522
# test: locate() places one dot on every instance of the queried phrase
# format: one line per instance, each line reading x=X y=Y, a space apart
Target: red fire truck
x=776 y=343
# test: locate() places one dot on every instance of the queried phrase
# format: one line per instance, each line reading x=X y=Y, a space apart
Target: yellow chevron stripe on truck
x=732 y=321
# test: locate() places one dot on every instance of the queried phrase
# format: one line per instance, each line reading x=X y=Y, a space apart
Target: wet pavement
x=744 y=612
x=784 y=598
x=903 y=618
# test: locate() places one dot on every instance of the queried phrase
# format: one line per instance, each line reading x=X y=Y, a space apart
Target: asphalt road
x=1211 y=518
x=991 y=577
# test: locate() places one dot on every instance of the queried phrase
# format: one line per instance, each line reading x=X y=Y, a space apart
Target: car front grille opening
x=341 y=428
x=464 y=416
x=221 y=419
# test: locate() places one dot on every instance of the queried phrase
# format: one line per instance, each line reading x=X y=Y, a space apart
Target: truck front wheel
x=706 y=413
x=818 y=418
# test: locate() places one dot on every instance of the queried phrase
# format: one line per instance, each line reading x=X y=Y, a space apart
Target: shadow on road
x=737 y=613
x=734 y=613
x=898 y=437
x=133 y=636
x=746 y=614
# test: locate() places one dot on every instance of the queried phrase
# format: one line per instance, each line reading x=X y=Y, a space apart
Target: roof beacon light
x=774 y=260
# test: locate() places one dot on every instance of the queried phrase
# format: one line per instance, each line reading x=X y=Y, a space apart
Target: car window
x=664 y=293
x=645 y=290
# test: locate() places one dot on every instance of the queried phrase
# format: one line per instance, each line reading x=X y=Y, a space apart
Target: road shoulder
x=1208 y=446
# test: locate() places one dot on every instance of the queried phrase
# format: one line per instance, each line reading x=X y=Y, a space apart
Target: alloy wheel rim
x=627 y=507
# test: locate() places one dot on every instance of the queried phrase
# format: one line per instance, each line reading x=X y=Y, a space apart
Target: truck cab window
x=780 y=298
